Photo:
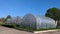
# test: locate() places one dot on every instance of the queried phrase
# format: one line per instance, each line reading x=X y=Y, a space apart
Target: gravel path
x=5 y=30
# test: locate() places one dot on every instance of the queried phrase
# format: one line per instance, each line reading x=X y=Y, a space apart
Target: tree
x=3 y=20
x=8 y=17
x=53 y=13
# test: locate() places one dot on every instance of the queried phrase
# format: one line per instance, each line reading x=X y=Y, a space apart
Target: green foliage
x=18 y=27
x=28 y=28
x=58 y=27
x=8 y=17
x=54 y=13
x=2 y=20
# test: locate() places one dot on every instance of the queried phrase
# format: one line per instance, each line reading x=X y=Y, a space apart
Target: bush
x=58 y=27
x=10 y=25
x=27 y=28
x=18 y=27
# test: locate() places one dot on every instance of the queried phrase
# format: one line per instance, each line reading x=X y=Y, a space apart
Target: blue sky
x=22 y=7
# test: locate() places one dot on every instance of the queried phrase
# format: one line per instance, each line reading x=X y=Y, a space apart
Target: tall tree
x=53 y=13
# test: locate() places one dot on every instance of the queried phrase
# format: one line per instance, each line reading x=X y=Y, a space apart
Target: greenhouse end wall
x=45 y=22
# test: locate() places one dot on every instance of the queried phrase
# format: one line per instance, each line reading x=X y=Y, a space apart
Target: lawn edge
x=46 y=31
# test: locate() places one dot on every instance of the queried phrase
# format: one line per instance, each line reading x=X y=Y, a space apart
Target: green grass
x=18 y=27
x=25 y=28
x=28 y=28
x=42 y=29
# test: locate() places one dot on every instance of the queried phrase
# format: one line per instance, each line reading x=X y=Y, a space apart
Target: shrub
x=10 y=25
x=27 y=28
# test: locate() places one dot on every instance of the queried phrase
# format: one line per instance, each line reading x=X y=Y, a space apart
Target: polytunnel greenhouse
x=38 y=22
x=14 y=20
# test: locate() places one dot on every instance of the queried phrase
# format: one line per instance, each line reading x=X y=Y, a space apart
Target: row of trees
x=54 y=13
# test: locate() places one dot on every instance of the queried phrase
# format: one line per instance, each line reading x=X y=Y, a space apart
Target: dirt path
x=5 y=30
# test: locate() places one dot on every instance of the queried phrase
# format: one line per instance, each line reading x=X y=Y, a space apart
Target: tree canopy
x=54 y=13
x=8 y=17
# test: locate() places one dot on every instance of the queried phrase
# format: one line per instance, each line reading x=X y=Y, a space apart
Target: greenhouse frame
x=38 y=22
x=14 y=20
x=33 y=21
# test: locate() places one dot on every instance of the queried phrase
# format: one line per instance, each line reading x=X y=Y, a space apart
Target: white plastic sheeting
x=38 y=21
x=29 y=20
x=14 y=20
x=33 y=21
